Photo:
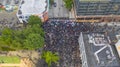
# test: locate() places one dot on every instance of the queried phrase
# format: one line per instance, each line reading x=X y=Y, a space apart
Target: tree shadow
x=42 y=63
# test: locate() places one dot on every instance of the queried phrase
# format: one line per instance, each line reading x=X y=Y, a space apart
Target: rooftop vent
x=109 y=57
x=107 y=52
x=102 y=63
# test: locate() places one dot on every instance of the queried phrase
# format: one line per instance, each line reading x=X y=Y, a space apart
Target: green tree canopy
x=29 y=38
x=51 y=2
x=7 y=35
x=50 y=57
x=33 y=41
x=68 y=4
x=33 y=20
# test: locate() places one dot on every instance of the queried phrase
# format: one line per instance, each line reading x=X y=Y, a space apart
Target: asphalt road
x=58 y=11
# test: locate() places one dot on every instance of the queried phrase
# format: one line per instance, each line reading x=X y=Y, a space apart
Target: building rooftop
x=33 y=6
x=97 y=7
x=99 y=52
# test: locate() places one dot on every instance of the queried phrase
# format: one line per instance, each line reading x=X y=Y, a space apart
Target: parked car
x=54 y=4
x=16 y=1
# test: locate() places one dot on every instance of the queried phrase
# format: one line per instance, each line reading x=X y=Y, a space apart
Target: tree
x=34 y=37
x=6 y=39
x=68 y=4
x=31 y=37
x=33 y=41
x=51 y=2
x=10 y=40
x=7 y=36
x=33 y=20
x=50 y=57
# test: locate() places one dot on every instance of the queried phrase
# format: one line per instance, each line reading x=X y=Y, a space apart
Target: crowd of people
x=62 y=37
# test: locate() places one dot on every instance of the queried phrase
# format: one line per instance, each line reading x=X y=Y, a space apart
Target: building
x=97 y=10
x=96 y=51
x=117 y=45
x=33 y=7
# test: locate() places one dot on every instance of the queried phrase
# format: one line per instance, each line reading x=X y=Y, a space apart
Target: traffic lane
x=64 y=12
x=56 y=11
x=59 y=10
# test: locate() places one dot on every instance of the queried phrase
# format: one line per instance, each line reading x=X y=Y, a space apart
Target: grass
x=9 y=59
x=1 y=9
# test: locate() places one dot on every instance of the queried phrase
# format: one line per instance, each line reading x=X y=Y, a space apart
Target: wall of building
x=82 y=51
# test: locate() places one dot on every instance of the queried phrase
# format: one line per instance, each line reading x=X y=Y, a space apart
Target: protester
x=62 y=37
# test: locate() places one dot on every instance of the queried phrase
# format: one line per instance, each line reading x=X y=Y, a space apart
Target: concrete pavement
x=58 y=11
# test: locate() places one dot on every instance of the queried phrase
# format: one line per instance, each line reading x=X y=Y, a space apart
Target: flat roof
x=33 y=6
x=96 y=7
x=99 y=52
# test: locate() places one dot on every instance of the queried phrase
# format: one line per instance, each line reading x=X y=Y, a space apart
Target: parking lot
x=8 y=18
x=59 y=10
x=9 y=2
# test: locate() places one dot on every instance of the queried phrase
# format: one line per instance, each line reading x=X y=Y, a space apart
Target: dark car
x=54 y=4
x=16 y=1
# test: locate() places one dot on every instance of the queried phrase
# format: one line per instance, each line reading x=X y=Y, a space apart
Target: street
x=58 y=11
